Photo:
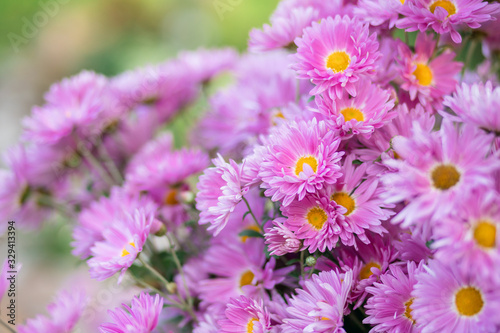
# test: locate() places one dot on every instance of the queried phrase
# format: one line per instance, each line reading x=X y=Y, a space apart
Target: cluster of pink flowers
x=354 y=185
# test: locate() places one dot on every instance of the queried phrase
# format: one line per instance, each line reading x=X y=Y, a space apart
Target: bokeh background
x=43 y=41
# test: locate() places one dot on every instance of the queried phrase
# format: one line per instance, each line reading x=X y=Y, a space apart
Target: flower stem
x=94 y=162
x=154 y=271
x=110 y=164
x=253 y=215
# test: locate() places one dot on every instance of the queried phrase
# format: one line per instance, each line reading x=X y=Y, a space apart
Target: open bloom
x=244 y=314
x=445 y=16
x=437 y=171
x=220 y=191
x=334 y=54
x=320 y=305
x=75 y=105
x=476 y=104
x=123 y=241
x=470 y=237
x=301 y=158
x=314 y=220
x=389 y=307
x=426 y=77
x=64 y=313
x=361 y=114
x=281 y=240
x=448 y=300
x=140 y=317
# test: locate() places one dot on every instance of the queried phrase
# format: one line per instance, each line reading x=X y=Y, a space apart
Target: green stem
x=94 y=163
x=251 y=213
x=7 y=326
x=146 y=285
x=110 y=164
x=470 y=51
x=154 y=271
x=302 y=264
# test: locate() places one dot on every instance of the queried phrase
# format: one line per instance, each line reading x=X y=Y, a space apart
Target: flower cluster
x=355 y=183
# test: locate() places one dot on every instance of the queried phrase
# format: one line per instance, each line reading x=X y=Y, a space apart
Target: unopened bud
x=310 y=261
x=172 y=287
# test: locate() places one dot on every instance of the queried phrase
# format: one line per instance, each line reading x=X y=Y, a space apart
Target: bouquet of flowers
x=344 y=177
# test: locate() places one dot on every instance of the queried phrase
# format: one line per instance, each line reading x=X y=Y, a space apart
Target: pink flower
x=360 y=207
x=334 y=54
x=75 y=105
x=447 y=299
x=470 y=237
x=424 y=76
x=378 y=12
x=389 y=307
x=141 y=317
x=281 y=240
x=220 y=190
x=244 y=314
x=362 y=114
x=301 y=158
x=203 y=64
x=437 y=172
x=320 y=305
x=313 y=220
x=101 y=215
x=123 y=241
x=64 y=313
x=445 y=16
x=476 y=104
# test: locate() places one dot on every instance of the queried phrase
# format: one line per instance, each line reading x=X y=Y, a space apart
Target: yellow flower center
x=469 y=301
x=246 y=278
x=366 y=272
x=171 y=198
x=125 y=252
x=485 y=234
x=423 y=74
x=445 y=176
x=252 y=227
x=250 y=325
x=402 y=2
x=407 y=313
x=309 y=160
x=345 y=200
x=352 y=113
x=275 y=115
x=446 y=5
x=317 y=217
x=338 y=61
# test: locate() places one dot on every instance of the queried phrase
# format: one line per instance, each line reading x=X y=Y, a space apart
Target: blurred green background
x=44 y=41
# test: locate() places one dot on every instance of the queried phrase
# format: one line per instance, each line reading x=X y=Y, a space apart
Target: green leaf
x=250 y=233
x=357 y=162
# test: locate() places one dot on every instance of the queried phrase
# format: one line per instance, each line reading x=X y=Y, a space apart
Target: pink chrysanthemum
x=447 y=300
x=283 y=29
x=320 y=305
x=334 y=54
x=244 y=314
x=100 y=215
x=470 y=237
x=141 y=317
x=361 y=208
x=367 y=263
x=240 y=268
x=220 y=190
x=301 y=158
x=313 y=220
x=204 y=64
x=122 y=243
x=424 y=76
x=437 y=171
x=361 y=114
x=281 y=240
x=476 y=104
x=389 y=307
x=445 y=16
x=378 y=12
x=64 y=314
x=75 y=105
